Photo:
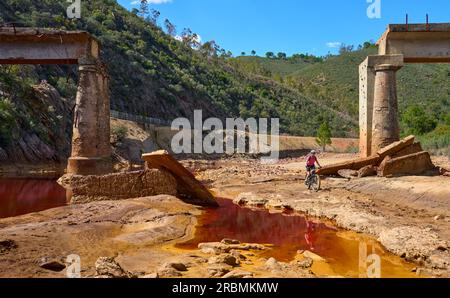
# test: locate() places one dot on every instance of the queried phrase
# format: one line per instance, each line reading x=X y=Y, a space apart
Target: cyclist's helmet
x=313 y=152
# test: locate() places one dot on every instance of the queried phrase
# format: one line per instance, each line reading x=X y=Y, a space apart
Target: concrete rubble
x=187 y=185
x=163 y=175
x=404 y=157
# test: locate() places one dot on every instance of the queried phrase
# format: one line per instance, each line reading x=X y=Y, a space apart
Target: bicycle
x=313 y=181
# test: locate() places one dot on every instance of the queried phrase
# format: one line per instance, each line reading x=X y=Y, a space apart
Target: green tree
x=253 y=53
x=323 y=135
x=143 y=11
x=447 y=119
x=171 y=28
x=270 y=55
x=154 y=16
x=416 y=121
x=281 y=55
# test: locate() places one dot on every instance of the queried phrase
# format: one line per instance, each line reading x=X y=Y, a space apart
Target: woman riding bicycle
x=311 y=161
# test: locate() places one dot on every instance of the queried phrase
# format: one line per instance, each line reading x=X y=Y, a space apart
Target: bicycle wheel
x=315 y=183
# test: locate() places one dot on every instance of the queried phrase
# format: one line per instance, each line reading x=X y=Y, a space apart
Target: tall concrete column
x=91 y=150
x=385 y=125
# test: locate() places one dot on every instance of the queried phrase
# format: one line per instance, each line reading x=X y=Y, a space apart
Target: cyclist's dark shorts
x=310 y=168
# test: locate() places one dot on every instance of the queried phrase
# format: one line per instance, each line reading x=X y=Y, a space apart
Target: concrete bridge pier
x=385 y=124
x=399 y=44
x=91 y=150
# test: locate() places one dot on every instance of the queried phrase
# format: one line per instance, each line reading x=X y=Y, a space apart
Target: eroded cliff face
x=45 y=135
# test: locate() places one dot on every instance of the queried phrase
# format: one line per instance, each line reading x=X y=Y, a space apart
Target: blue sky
x=291 y=26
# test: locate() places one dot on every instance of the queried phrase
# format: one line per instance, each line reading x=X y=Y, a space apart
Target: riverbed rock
x=313 y=256
x=367 y=171
x=219 y=247
x=167 y=272
x=151 y=275
x=227 y=259
x=273 y=265
x=119 y=186
x=238 y=274
x=237 y=254
x=214 y=248
x=439 y=217
x=250 y=199
x=108 y=268
x=218 y=270
x=443 y=171
x=230 y=241
x=411 y=242
x=7 y=245
x=52 y=265
x=305 y=263
x=439 y=260
x=347 y=173
x=175 y=265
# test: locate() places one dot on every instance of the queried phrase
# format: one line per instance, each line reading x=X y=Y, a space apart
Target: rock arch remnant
x=91 y=151
x=378 y=106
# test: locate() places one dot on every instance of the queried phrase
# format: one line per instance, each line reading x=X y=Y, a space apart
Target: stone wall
x=119 y=186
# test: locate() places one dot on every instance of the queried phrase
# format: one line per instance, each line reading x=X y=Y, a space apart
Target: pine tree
x=143 y=11
x=323 y=136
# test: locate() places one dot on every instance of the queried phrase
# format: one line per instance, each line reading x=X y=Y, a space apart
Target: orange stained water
x=290 y=233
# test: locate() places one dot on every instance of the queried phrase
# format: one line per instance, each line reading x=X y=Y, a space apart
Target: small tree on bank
x=323 y=136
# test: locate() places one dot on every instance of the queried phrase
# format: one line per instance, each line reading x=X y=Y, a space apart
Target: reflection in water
x=22 y=196
x=288 y=234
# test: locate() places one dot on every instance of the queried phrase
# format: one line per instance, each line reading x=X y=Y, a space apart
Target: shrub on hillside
x=437 y=141
x=119 y=132
x=6 y=121
x=417 y=122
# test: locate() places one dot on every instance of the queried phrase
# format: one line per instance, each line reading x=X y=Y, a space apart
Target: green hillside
x=423 y=89
x=272 y=67
x=154 y=74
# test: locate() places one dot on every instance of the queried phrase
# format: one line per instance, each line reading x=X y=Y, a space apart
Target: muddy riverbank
x=410 y=221
x=285 y=230
x=163 y=237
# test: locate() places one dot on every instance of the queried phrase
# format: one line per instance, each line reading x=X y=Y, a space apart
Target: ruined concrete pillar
x=91 y=150
x=385 y=125
x=366 y=93
x=367 y=75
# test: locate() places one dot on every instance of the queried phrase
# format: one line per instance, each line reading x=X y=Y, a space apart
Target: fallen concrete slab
x=355 y=164
x=413 y=164
x=188 y=187
x=396 y=147
x=414 y=148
